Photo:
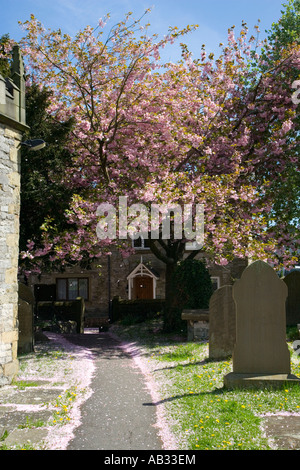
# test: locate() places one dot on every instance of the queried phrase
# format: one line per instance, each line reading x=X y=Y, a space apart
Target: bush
x=292 y=333
x=193 y=284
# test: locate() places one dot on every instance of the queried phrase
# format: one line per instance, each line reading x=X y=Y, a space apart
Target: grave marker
x=222 y=323
x=260 y=356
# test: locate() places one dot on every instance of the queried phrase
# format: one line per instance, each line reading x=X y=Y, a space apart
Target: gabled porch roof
x=142 y=270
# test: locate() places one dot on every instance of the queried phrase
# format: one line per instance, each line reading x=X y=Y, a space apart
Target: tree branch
x=163 y=257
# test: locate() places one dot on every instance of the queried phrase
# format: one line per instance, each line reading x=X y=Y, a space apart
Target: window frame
x=66 y=279
x=142 y=247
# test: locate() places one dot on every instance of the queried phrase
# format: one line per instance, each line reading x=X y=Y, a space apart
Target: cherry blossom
x=211 y=131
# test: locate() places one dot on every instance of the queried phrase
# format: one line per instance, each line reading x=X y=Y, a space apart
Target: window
x=71 y=288
x=141 y=243
x=215 y=282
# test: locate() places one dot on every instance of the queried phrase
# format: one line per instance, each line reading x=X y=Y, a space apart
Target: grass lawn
x=202 y=413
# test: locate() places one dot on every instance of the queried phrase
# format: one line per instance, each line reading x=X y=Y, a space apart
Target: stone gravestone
x=260 y=356
x=292 y=281
x=222 y=323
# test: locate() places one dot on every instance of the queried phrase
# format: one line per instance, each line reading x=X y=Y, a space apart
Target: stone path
x=117 y=415
x=284 y=430
x=15 y=421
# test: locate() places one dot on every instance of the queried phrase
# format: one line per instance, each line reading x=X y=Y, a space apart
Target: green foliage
x=284 y=35
x=31 y=423
x=43 y=197
x=287 y=30
x=23 y=384
x=292 y=333
x=193 y=284
x=4 y=436
x=5 y=60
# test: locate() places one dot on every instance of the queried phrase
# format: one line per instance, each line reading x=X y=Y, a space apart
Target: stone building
x=140 y=276
x=12 y=126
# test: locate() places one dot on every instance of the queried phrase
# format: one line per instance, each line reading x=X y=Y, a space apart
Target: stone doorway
x=142 y=283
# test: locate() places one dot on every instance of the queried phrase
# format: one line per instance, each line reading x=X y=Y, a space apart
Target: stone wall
x=11 y=127
x=9 y=242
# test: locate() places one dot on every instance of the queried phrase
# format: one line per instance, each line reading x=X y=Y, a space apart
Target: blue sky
x=213 y=16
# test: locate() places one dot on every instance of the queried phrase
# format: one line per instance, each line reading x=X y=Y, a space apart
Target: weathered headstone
x=260 y=356
x=222 y=323
x=292 y=281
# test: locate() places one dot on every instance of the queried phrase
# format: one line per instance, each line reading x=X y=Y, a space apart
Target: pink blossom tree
x=211 y=131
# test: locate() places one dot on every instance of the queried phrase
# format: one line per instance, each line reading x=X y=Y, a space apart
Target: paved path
x=117 y=416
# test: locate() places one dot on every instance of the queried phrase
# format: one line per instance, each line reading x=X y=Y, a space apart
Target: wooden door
x=143 y=287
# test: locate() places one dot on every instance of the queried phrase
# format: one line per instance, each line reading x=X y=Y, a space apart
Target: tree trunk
x=171 y=300
x=170 y=253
